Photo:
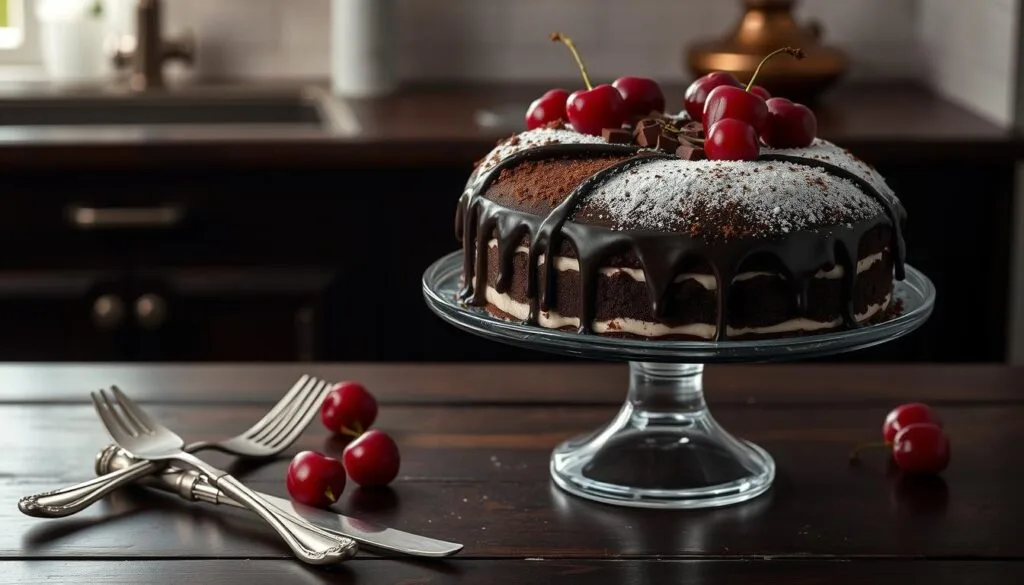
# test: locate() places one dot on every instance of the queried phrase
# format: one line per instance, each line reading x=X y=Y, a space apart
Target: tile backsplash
x=506 y=40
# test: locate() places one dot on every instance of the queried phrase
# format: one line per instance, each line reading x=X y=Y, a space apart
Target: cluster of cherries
x=371 y=459
x=595 y=108
x=736 y=118
x=915 y=435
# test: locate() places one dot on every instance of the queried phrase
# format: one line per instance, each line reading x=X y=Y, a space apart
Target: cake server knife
x=192 y=486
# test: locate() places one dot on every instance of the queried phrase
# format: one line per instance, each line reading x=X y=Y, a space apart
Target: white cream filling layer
x=563 y=264
x=553 y=320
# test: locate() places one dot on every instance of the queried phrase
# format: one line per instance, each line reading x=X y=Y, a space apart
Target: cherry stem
x=797 y=53
x=855 y=454
x=330 y=495
x=559 y=38
x=353 y=432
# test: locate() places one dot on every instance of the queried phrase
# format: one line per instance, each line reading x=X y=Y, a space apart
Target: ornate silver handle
x=310 y=543
x=69 y=500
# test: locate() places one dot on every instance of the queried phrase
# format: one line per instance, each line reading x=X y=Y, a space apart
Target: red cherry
x=314 y=479
x=642 y=95
x=348 y=409
x=372 y=459
x=743 y=103
x=905 y=415
x=697 y=92
x=760 y=92
x=731 y=139
x=789 y=125
x=595 y=108
x=548 y=108
x=921 y=448
x=591 y=111
x=737 y=103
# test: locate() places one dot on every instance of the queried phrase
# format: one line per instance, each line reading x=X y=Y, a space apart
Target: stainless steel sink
x=307 y=109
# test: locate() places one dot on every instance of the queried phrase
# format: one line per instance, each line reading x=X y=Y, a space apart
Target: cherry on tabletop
x=789 y=125
x=921 y=448
x=595 y=108
x=641 y=94
x=740 y=102
x=548 y=108
x=348 y=409
x=731 y=139
x=697 y=92
x=314 y=479
x=372 y=459
x=905 y=415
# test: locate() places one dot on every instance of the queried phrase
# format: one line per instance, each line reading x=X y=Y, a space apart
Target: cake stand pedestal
x=664 y=449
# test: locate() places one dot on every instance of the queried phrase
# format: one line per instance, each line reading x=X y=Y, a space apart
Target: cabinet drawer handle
x=107 y=311
x=151 y=310
x=92 y=218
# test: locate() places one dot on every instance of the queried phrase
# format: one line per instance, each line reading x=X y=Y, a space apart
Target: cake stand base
x=663 y=449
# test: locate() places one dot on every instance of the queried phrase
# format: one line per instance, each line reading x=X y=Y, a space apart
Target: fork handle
x=69 y=500
x=311 y=544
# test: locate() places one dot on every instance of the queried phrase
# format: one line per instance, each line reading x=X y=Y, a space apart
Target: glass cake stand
x=664 y=449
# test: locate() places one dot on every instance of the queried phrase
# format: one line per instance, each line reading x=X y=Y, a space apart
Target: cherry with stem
x=595 y=108
x=740 y=103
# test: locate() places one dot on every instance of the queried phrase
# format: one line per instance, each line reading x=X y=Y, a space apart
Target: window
x=12 y=24
x=19 y=41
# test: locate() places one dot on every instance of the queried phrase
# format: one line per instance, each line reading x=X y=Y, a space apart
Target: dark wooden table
x=475 y=441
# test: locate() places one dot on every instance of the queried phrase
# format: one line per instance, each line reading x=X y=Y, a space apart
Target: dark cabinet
x=62 y=315
x=164 y=315
x=230 y=314
x=271 y=265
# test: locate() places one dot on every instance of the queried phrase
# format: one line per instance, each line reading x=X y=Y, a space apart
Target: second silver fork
x=136 y=432
x=271 y=435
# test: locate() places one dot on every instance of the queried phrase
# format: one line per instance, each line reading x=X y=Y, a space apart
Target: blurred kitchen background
x=242 y=180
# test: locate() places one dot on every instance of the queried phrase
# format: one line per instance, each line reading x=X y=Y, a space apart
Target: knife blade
x=191 y=485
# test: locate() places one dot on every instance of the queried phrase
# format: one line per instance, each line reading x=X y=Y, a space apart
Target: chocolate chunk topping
x=693 y=129
x=647 y=132
x=617 y=136
x=687 y=151
x=668 y=142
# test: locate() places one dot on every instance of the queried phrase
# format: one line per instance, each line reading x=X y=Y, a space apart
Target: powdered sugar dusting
x=531 y=139
x=830 y=153
x=721 y=198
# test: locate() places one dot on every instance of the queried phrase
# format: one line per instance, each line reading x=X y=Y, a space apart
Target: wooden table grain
x=475 y=441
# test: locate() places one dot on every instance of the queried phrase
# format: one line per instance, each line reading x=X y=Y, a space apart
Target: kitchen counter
x=475 y=442
x=440 y=126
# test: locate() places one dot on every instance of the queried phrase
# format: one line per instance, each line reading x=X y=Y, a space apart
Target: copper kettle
x=767 y=25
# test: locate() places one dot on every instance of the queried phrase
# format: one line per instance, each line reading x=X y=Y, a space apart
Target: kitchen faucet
x=147 y=50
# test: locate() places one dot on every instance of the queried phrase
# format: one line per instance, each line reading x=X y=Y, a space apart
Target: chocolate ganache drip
x=661 y=254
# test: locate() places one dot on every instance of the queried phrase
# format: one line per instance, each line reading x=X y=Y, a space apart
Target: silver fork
x=143 y=437
x=271 y=435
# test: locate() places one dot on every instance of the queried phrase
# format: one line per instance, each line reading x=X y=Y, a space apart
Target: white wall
x=507 y=39
x=971 y=53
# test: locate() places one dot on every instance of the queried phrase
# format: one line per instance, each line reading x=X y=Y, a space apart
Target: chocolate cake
x=632 y=234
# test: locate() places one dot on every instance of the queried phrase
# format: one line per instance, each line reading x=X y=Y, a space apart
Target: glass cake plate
x=664 y=449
